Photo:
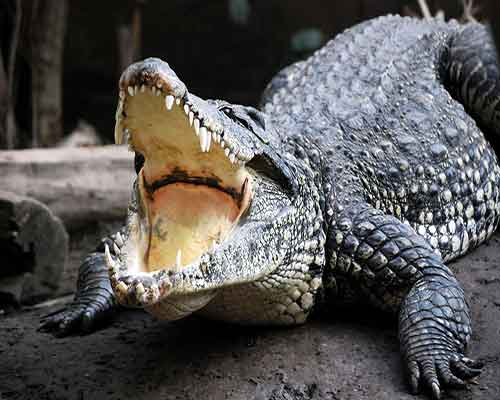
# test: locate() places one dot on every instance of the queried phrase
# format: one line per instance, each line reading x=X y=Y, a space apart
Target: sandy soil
x=353 y=355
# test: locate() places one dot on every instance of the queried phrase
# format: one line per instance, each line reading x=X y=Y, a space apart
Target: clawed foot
x=93 y=303
x=436 y=372
x=75 y=318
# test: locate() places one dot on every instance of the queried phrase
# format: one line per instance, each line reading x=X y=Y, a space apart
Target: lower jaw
x=179 y=306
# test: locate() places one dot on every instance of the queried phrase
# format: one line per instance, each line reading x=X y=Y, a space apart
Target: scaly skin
x=371 y=170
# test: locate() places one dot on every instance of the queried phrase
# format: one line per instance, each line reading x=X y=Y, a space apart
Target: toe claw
x=414 y=376
x=475 y=364
x=464 y=371
x=436 y=392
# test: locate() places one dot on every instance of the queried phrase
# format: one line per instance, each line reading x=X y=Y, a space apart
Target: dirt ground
x=350 y=355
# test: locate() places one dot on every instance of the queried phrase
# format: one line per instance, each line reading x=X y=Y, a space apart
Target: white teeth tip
x=130 y=90
x=178 y=258
x=153 y=90
x=197 y=126
x=186 y=109
x=116 y=249
x=107 y=256
x=140 y=289
x=169 y=102
x=177 y=101
x=203 y=138
x=209 y=138
x=136 y=89
x=232 y=157
x=191 y=118
x=158 y=92
x=226 y=152
x=143 y=88
x=119 y=239
x=125 y=136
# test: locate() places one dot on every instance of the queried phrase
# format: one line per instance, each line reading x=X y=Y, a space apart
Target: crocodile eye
x=227 y=110
x=256 y=117
x=235 y=117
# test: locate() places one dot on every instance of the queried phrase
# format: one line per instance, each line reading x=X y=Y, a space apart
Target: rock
x=34 y=248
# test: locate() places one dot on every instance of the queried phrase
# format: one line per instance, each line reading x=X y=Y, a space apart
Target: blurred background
x=60 y=59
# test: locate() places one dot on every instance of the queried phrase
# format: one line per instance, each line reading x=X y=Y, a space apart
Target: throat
x=185 y=221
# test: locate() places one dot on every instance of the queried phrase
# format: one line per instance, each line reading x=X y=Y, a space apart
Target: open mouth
x=193 y=187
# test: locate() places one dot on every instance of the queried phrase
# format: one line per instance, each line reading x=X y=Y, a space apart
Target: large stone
x=34 y=249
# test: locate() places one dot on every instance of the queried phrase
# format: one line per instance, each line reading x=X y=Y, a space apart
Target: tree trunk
x=3 y=104
x=47 y=64
x=494 y=22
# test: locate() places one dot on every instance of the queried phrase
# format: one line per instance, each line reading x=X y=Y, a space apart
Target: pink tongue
x=188 y=218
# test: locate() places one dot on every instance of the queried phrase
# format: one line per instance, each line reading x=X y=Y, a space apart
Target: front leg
x=399 y=271
x=94 y=300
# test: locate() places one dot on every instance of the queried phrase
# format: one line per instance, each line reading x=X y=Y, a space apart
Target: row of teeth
x=119 y=242
x=205 y=135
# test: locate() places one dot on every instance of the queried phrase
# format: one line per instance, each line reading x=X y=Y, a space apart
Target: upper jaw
x=210 y=125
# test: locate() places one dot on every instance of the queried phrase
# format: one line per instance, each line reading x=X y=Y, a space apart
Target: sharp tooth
x=209 y=138
x=178 y=258
x=232 y=157
x=109 y=260
x=119 y=239
x=153 y=90
x=116 y=249
x=197 y=126
x=139 y=288
x=125 y=136
x=158 y=92
x=136 y=89
x=122 y=287
x=214 y=136
x=169 y=102
x=130 y=90
x=186 y=109
x=203 y=138
x=191 y=118
x=143 y=88
x=222 y=143
x=177 y=100
x=226 y=152
x=122 y=94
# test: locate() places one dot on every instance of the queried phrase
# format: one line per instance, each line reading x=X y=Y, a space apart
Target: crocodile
x=365 y=169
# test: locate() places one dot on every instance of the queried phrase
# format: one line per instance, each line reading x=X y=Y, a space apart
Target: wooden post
x=46 y=66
